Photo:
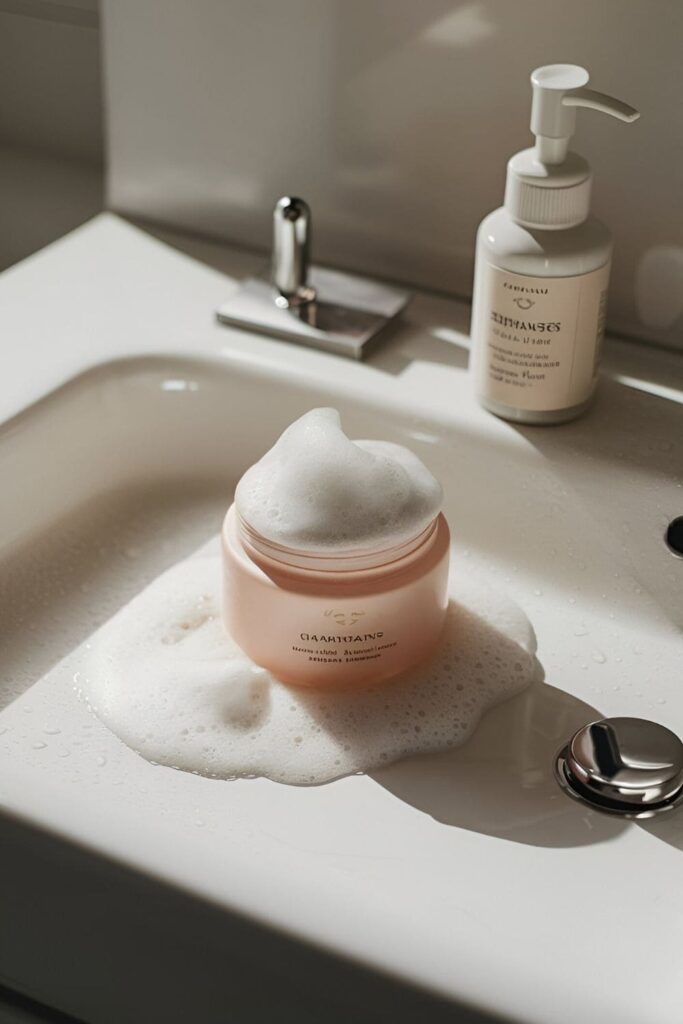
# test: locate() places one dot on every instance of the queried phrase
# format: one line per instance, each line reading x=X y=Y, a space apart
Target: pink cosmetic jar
x=334 y=620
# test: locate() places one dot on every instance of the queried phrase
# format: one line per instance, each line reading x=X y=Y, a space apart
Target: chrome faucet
x=313 y=306
x=291 y=252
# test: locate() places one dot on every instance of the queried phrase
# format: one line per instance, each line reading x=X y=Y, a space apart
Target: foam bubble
x=167 y=679
x=316 y=490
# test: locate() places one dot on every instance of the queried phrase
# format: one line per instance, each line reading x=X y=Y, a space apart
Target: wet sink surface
x=465 y=873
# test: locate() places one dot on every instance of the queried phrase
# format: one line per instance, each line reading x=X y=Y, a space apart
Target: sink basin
x=457 y=886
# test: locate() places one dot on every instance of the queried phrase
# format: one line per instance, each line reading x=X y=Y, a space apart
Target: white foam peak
x=316 y=490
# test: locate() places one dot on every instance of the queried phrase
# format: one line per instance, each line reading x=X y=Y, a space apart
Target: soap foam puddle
x=164 y=676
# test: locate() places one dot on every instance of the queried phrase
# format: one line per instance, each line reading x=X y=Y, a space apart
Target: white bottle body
x=538 y=317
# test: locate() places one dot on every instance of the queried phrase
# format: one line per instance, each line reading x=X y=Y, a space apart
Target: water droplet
x=598 y=657
x=39 y=745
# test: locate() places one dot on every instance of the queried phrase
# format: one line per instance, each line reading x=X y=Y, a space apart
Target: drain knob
x=625 y=766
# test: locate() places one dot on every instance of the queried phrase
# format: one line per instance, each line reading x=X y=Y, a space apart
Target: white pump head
x=558 y=89
x=547 y=186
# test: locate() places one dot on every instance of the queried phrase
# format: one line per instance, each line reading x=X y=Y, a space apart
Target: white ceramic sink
x=458 y=886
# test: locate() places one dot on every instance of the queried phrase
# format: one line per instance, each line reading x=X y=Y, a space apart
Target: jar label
x=343 y=648
x=537 y=340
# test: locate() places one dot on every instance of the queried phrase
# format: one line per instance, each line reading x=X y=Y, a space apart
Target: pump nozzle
x=558 y=89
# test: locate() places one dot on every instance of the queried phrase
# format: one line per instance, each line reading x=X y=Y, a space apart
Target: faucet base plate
x=346 y=316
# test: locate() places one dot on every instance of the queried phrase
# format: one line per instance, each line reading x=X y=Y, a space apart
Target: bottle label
x=537 y=340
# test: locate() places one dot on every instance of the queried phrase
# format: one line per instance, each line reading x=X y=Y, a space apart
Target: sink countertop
x=520 y=919
x=112 y=289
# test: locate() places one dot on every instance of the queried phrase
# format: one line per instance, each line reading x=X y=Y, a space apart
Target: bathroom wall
x=51 y=138
x=394 y=118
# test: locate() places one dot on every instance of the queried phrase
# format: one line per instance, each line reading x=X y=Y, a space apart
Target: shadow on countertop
x=501 y=783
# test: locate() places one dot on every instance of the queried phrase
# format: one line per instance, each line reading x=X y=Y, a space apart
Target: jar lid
x=624 y=766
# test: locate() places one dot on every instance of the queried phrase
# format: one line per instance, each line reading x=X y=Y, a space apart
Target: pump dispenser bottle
x=542 y=266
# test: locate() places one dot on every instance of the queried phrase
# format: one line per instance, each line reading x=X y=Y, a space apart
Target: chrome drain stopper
x=624 y=766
